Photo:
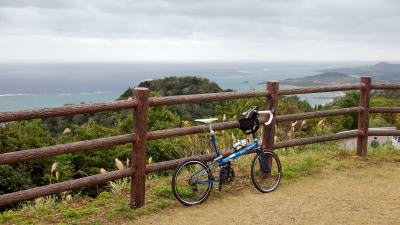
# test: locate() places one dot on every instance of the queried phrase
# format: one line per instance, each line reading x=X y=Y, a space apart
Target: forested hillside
x=184 y=86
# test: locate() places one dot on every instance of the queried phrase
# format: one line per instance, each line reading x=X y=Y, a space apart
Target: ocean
x=37 y=85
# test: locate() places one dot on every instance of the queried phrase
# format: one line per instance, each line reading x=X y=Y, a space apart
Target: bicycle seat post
x=211 y=130
x=214 y=142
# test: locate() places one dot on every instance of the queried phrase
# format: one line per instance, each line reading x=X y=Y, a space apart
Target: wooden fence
x=141 y=135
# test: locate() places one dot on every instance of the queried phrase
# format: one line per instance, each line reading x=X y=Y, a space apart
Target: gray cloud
x=46 y=4
x=340 y=21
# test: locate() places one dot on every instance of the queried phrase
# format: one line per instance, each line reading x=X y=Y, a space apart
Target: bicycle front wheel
x=266 y=171
x=192 y=182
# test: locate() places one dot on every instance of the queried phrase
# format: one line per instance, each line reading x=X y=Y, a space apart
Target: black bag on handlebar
x=249 y=123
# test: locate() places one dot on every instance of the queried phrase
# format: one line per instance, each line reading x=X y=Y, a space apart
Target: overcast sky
x=200 y=30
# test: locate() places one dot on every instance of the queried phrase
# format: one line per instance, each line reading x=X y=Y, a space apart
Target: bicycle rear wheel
x=192 y=182
x=266 y=174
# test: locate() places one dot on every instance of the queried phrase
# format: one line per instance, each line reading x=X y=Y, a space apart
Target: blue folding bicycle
x=193 y=179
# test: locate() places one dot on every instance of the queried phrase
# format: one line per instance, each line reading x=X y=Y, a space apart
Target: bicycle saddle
x=206 y=121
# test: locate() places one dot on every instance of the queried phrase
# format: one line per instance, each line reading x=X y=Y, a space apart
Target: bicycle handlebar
x=269 y=112
x=250 y=110
x=271 y=116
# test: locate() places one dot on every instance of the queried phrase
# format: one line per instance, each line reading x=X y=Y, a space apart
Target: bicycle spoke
x=266 y=172
x=190 y=182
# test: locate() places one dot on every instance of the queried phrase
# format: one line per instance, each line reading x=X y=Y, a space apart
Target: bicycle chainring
x=227 y=174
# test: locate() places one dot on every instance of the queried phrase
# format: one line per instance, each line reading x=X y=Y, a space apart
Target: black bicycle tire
x=256 y=185
x=174 y=189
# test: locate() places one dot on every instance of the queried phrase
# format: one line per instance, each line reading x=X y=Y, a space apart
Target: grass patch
x=305 y=165
x=8 y=216
x=164 y=191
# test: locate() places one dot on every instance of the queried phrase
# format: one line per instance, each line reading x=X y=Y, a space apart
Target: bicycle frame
x=226 y=160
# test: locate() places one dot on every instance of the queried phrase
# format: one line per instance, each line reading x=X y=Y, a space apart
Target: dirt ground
x=356 y=196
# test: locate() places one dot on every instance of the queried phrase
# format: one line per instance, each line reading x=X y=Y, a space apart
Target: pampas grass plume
x=54 y=167
x=103 y=171
x=119 y=164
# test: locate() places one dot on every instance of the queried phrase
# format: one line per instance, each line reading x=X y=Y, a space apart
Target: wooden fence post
x=138 y=178
x=268 y=138
x=362 y=140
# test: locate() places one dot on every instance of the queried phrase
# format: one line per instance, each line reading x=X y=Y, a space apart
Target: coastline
x=27 y=86
x=11 y=102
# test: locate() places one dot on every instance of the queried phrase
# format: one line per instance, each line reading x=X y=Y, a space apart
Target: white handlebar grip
x=271 y=116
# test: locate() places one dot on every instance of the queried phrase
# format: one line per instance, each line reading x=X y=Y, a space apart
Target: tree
x=183 y=86
x=351 y=99
x=18 y=136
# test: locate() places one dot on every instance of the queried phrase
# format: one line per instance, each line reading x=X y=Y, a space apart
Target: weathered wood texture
x=209 y=97
x=139 y=148
x=44 y=152
x=37 y=192
x=172 y=164
x=174 y=132
x=268 y=137
x=312 y=140
x=383 y=132
x=384 y=110
x=65 y=110
x=385 y=86
x=307 y=90
x=310 y=115
x=362 y=140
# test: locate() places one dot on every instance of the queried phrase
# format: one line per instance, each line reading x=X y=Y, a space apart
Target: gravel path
x=355 y=196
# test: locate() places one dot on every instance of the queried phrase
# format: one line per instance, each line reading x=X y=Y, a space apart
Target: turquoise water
x=30 y=101
x=37 y=85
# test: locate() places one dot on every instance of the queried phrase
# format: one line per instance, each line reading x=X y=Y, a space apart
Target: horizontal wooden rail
x=171 y=100
x=65 y=110
x=174 y=132
x=312 y=140
x=44 y=152
x=25 y=155
x=209 y=97
x=172 y=164
x=385 y=86
x=160 y=134
x=383 y=132
x=50 y=189
x=384 y=110
x=308 y=90
x=310 y=115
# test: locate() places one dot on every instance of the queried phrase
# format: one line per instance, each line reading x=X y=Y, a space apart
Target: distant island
x=381 y=72
x=327 y=78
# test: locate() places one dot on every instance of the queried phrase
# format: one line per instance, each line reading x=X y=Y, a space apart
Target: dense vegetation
x=184 y=86
x=18 y=136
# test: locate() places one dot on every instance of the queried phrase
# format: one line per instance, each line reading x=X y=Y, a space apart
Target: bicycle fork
x=265 y=166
